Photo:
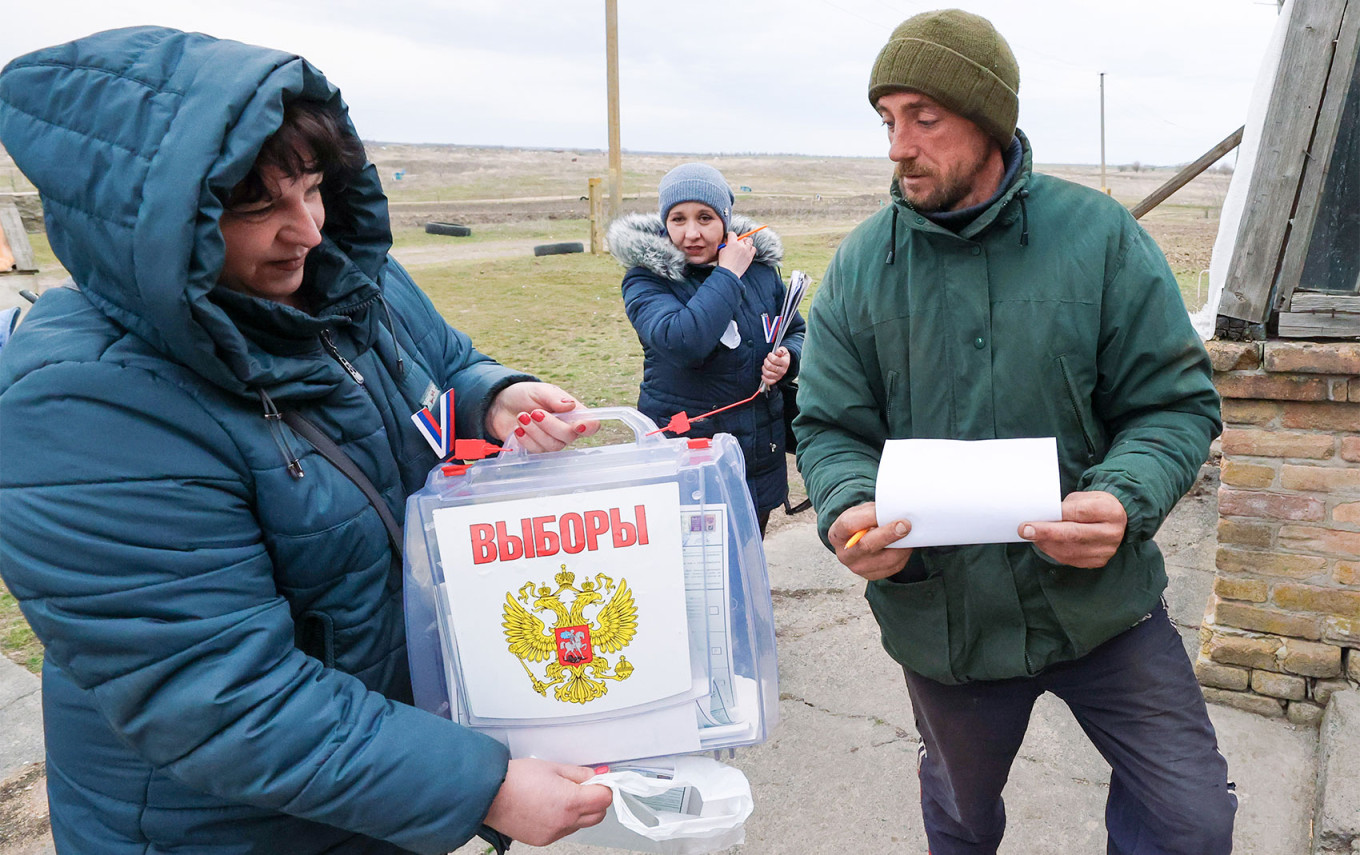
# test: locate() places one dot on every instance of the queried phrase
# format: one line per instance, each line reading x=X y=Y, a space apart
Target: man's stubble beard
x=949 y=190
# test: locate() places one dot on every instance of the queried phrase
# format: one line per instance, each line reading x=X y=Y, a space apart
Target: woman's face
x=268 y=241
x=697 y=230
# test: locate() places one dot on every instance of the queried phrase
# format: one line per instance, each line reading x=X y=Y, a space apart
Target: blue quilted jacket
x=680 y=313
x=225 y=658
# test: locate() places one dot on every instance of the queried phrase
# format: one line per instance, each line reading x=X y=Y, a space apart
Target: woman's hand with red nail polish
x=534 y=406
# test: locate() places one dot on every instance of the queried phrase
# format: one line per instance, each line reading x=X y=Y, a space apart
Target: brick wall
x=1282 y=628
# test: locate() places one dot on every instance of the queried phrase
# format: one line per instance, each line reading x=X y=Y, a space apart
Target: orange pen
x=748 y=234
x=854 y=538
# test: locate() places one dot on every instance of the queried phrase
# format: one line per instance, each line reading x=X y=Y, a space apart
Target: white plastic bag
x=721 y=793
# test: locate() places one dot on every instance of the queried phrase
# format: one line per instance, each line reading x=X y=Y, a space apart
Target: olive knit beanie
x=696 y=182
x=960 y=60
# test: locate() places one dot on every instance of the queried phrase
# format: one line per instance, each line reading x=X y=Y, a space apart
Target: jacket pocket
x=314 y=634
x=1080 y=412
x=1093 y=606
x=914 y=625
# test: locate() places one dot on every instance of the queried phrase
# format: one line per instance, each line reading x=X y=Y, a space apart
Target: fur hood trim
x=640 y=240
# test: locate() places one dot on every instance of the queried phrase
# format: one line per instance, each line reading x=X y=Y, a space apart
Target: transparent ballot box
x=597 y=604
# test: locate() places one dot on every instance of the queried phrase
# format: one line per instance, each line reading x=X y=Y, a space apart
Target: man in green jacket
x=989 y=302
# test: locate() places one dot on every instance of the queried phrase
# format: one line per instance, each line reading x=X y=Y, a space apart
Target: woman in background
x=704 y=305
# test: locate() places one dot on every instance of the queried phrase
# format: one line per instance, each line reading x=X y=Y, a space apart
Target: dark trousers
x=1138 y=701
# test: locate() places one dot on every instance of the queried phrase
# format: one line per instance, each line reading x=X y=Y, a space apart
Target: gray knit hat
x=960 y=60
x=696 y=182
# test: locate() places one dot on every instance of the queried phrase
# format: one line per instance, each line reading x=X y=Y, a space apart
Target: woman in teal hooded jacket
x=225 y=664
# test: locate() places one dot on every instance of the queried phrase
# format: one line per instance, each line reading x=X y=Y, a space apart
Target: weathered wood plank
x=1302 y=325
x=1290 y=119
x=1305 y=301
x=1344 y=67
x=1186 y=175
x=13 y=227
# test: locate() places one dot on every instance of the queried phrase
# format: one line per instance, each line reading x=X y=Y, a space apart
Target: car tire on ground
x=559 y=248
x=450 y=229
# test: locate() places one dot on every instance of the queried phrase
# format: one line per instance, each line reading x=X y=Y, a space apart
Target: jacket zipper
x=890 y=391
x=335 y=353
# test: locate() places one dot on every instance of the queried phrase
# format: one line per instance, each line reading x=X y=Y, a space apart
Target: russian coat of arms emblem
x=577 y=671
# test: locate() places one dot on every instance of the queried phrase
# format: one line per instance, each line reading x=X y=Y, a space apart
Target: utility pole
x=596 y=216
x=1103 y=188
x=611 y=47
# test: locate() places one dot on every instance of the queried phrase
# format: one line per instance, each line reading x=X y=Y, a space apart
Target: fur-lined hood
x=640 y=240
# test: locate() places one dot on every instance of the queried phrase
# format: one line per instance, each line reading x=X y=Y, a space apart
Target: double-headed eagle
x=574 y=643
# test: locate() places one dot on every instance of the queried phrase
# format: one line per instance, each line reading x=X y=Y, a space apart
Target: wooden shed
x=1295 y=269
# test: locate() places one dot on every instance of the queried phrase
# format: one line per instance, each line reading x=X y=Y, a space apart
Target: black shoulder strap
x=327 y=448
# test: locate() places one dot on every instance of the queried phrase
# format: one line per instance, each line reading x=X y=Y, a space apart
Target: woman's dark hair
x=312 y=139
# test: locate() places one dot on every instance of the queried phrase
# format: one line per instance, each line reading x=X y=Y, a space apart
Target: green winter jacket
x=1052 y=314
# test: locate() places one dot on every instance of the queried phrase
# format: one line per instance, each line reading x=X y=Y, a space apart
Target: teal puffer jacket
x=1052 y=314
x=225 y=656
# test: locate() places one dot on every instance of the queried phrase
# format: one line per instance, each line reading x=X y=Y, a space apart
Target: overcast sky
x=711 y=77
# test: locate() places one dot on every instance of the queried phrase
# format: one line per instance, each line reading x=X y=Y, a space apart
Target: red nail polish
x=539 y=415
x=601 y=770
x=524 y=418
x=519 y=431
x=580 y=428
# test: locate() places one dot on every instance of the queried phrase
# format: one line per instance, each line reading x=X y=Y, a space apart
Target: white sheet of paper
x=703 y=535
x=956 y=492
x=731 y=336
x=665 y=731
x=481 y=574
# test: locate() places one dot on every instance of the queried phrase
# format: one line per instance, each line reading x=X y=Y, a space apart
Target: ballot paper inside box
x=595 y=604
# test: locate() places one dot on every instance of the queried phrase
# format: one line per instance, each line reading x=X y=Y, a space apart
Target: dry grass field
x=818 y=198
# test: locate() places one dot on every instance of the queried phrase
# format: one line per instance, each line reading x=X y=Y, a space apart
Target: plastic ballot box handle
x=640 y=425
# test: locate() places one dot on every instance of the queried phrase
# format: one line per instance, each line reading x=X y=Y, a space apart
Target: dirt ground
x=24 y=829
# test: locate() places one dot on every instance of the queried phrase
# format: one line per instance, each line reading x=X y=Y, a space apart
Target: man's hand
x=1091 y=530
x=526 y=410
x=540 y=802
x=869 y=557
